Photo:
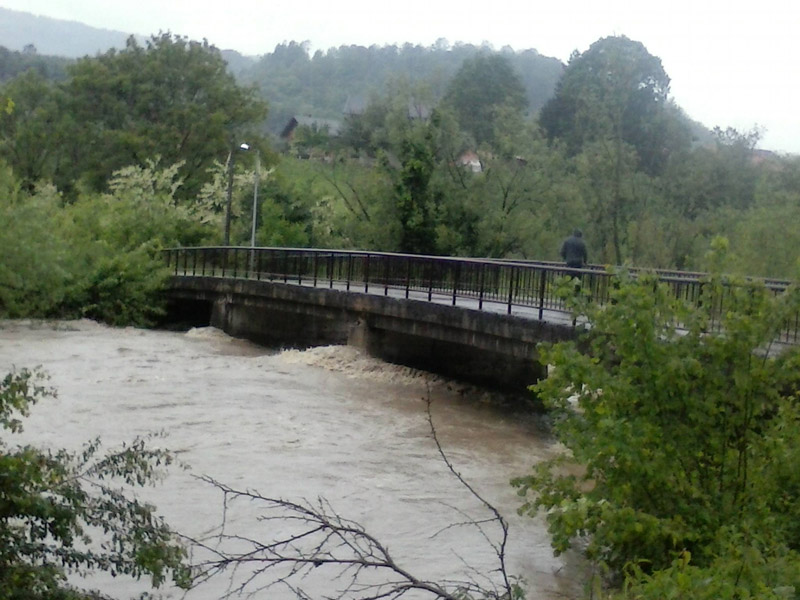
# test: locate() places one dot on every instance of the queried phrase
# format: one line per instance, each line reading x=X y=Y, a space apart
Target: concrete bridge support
x=489 y=349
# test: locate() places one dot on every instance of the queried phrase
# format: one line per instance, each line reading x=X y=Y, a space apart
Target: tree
x=617 y=90
x=172 y=99
x=611 y=111
x=405 y=136
x=518 y=204
x=606 y=173
x=679 y=441
x=482 y=86
x=30 y=134
x=721 y=175
x=13 y=63
x=64 y=512
x=414 y=199
x=98 y=257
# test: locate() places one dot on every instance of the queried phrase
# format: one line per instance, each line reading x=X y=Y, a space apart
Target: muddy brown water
x=326 y=422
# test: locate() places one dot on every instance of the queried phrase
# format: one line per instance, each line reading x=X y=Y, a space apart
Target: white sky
x=732 y=62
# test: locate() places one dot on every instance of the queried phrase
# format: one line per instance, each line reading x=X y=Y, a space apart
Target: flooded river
x=327 y=422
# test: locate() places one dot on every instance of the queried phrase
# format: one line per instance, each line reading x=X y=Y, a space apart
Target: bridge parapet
x=523 y=288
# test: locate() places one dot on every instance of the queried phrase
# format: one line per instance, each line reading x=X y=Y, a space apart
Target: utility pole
x=255 y=200
x=231 y=160
x=255 y=213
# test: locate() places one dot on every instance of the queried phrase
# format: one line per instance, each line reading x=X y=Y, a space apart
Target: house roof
x=333 y=126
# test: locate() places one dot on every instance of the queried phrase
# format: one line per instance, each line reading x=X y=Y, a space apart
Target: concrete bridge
x=472 y=319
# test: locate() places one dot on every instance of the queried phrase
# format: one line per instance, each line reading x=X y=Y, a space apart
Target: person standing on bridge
x=573 y=250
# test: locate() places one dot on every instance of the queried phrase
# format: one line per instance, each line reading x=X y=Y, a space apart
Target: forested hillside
x=296 y=83
x=55 y=37
x=15 y=63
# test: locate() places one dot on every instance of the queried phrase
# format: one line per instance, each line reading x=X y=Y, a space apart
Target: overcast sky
x=732 y=63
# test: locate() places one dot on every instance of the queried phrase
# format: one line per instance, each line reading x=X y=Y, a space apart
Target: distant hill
x=292 y=81
x=55 y=37
x=296 y=83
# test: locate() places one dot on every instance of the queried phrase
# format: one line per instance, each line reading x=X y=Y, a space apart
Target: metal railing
x=527 y=288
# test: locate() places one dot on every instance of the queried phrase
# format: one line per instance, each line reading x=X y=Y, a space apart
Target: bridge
x=474 y=319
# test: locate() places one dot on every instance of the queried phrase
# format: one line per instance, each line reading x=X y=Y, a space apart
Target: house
x=470 y=160
x=316 y=124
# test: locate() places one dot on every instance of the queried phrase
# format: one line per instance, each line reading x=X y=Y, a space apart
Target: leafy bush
x=53 y=504
x=682 y=443
x=98 y=257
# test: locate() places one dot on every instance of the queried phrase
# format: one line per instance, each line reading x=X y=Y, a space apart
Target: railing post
x=224 y=260
x=456 y=274
x=481 y=279
x=408 y=274
x=386 y=276
x=330 y=268
x=259 y=252
x=285 y=266
x=542 y=288
x=194 y=262
x=299 y=263
x=316 y=256
x=366 y=274
x=430 y=264
x=349 y=270
x=271 y=266
x=511 y=278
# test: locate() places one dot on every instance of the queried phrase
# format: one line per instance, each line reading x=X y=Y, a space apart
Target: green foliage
x=415 y=200
x=679 y=441
x=482 y=87
x=71 y=512
x=98 y=257
x=35 y=265
x=324 y=83
x=742 y=573
x=30 y=136
x=172 y=98
x=618 y=89
x=13 y=63
x=722 y=175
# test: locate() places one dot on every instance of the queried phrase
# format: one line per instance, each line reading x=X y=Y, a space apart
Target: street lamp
x=255 y=196
x=231 y=161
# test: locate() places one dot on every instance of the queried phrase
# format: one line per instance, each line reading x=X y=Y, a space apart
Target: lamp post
x=255 y=200
x=255 y=207
x=229 y=196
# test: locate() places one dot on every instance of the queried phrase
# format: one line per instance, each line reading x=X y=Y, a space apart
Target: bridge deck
x=522 y=289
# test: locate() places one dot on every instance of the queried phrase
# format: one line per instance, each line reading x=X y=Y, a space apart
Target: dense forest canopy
x=295 y=82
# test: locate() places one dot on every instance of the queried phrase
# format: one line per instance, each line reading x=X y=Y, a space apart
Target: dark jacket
x=573 y=251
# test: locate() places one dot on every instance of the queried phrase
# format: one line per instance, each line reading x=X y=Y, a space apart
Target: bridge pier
x=489 y=349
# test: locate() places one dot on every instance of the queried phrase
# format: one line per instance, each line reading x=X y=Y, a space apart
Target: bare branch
x=310 y=543
x=500 y=549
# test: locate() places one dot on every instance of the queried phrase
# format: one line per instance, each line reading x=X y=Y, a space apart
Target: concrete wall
x=485 y=348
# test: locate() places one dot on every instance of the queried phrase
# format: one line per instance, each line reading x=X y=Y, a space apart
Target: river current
x=326 y=422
